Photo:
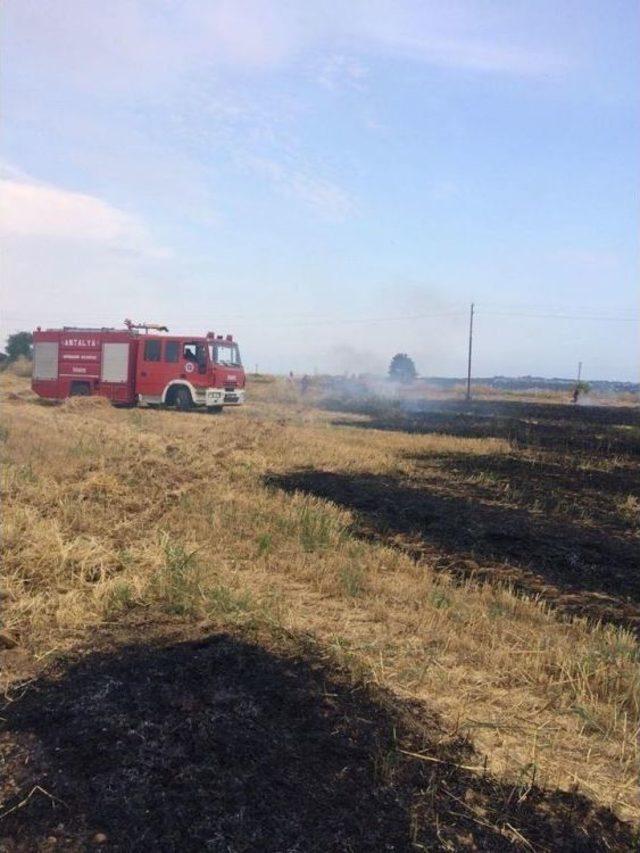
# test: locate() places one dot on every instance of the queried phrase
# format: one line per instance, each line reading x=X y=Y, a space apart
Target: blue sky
x=333 y=182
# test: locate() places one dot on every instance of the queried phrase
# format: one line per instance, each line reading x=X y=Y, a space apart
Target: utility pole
x=579 y=370
x=470 y=351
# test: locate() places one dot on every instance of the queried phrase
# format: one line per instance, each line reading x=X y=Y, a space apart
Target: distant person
x=575 y=395
x=304 y=384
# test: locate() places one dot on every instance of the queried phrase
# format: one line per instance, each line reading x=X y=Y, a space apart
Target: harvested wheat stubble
x=109 y=513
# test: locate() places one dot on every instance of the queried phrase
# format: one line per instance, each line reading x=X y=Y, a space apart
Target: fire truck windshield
x=226 y=354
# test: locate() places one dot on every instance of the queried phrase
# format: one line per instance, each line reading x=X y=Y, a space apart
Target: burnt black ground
x=587 y=571
x=609 y=430
x=554 y=516
x=221 y=744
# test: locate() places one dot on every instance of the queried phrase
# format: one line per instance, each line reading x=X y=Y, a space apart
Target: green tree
x=402 y=368
x=19 y=344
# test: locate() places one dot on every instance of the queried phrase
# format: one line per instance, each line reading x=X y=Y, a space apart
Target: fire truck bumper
x=214 y=397
x=234 y=398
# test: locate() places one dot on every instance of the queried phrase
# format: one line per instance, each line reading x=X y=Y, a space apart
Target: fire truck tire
x=183 y=399
x=79 y=389
x=214 y=410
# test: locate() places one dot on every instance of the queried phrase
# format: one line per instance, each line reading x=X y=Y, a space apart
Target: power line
x=318 y=321
x=600 y=319
x=289 y=322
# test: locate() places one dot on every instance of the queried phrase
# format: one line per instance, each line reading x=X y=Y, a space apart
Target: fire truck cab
x=130 y=367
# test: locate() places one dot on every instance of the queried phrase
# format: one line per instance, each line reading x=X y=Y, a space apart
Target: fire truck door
x=150 y=373
x=193 y=360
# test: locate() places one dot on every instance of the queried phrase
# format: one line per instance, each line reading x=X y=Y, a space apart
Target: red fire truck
x=140 y=365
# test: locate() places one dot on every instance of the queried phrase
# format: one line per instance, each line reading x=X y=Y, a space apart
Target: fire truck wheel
x=214 y=410
x=79 y=389
x=183 y=399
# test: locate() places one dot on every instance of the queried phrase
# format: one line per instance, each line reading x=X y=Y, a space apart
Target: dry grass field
x=304 y=627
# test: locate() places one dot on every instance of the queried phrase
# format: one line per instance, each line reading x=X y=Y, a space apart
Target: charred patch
x=588 y=571
x=601 y=430
x=544 y=483
x=219 y=744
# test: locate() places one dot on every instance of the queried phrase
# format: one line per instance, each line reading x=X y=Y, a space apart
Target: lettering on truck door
x=80 y=358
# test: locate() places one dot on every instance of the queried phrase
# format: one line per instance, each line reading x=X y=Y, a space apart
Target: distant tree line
x=20 y=344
